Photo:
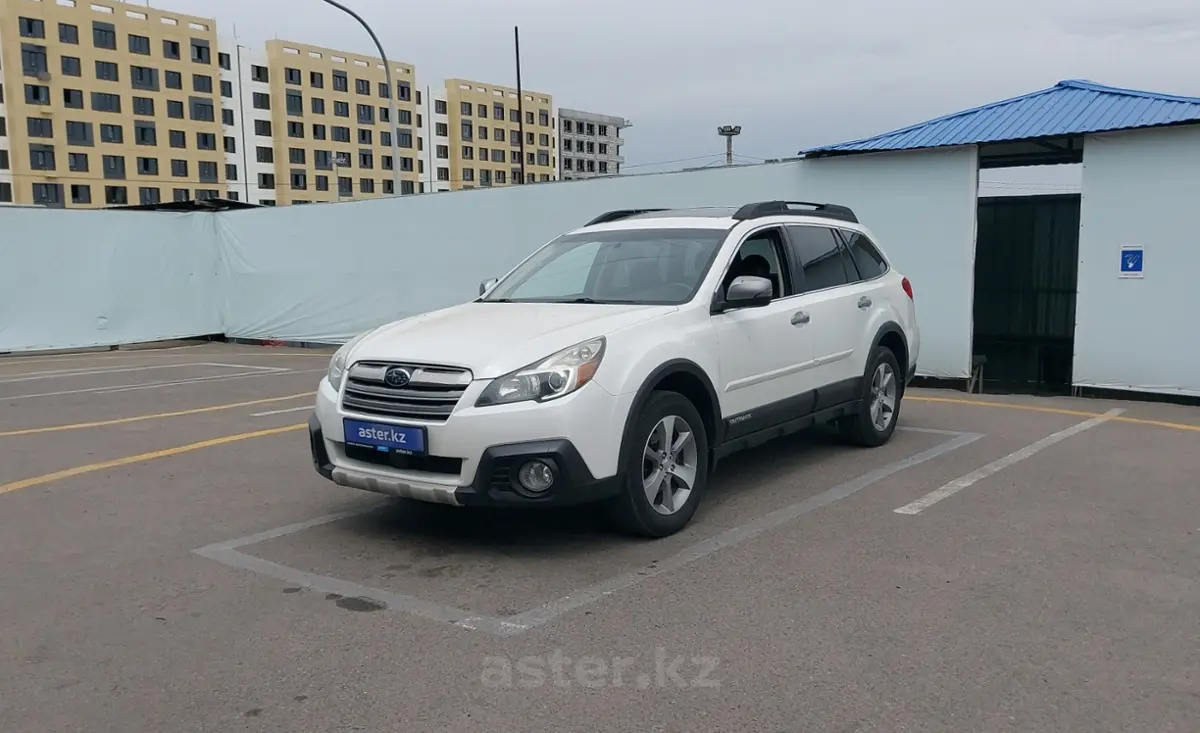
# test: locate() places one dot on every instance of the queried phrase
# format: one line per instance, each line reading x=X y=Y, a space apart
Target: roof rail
x=619 y=214
x=775 y=208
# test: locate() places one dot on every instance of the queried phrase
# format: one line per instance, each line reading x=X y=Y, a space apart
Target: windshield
x=643 y=266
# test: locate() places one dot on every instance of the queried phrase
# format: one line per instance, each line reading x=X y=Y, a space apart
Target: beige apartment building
x=107 y=103
x=483 y=146
x=110 y=103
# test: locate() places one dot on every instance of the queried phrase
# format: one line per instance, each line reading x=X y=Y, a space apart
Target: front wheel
x=879 y=407
x=664 y=468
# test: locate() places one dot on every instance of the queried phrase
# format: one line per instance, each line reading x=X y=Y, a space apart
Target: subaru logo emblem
x=397 y=377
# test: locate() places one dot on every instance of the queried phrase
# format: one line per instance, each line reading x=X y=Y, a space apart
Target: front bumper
x=494 y=483
x=473 y=457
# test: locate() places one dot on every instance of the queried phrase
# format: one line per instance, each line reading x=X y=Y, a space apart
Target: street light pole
x=393 y=92
x=729 y=132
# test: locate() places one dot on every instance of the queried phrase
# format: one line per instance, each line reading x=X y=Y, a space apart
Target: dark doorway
x=1026 y=260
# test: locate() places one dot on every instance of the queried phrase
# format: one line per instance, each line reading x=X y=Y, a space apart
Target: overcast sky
x=791 y=73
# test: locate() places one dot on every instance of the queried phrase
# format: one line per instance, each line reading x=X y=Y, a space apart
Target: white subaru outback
x=620 y=361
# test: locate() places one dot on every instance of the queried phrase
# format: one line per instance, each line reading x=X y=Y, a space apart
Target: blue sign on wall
x=1132 y=260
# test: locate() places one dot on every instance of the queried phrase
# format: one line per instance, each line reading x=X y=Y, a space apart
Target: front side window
x=820 y=253
x=642 y=266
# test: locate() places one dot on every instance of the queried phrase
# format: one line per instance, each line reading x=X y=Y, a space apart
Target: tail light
x=907 y=288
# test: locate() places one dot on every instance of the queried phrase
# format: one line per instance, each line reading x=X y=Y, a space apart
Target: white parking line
x=280 y=412
x=962 y=482
x=87 y=372
x=114 y=389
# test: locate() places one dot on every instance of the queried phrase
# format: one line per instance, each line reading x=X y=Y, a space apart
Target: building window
x=227 y=117
x=179 y=168
x=231 y=195
x=501 y=177
x=261 y=100
x=366 y=185
x=321 y=183
x=443 y=152
x=514 y=115
x=203 y=110
x=202 y=84
x=366 y=159
x=37 y=94
x=143 y=106
x=345 y=186
x=77 y=162
x=107 y=71
x=201 y=54
x=144 y=133
x=41 y=157
x=139 y=45
x=316 y=80
x=262 y=127
x=224 y=61
x=226 y=89
x=318 y=132
x=298 y=180
x=81 y=194
x=322 y=160
x=318 y=106
x=68 y=33
x=406 y=164
x=364 y=136
x=181 y=194
x=264 y=154
x=208 y=171
x=206 y=141
x=292 y=76
x=295 y=129
x=147 y=166
x=230 y=144
x=173 y=80
x=405 y=117
x=175 y=109
x=294 y=102
x=80 y=133
x=340 y=134
x=340 y=82
x=171 y=50
x=143 y=77
x=341 y=109
x=33 y=60
x=31 y=27
x=47 y=194
x=39 y=127
x=104 y=35
x=260 y=73
x=468 y=152
x=231 y=172
x=296 y=156
x=116 y=195
x=439 y=107
x=149 y=195
x=362 y=86
x=266 y=181
x=441 y=129
x=366 y=114
x=604 y=166
x=114 y=166
x=178 y=138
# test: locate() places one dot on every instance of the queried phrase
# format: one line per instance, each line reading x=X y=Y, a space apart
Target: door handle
x=799 y=318
x=864 y=302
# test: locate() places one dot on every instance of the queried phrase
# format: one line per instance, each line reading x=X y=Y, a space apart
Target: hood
x=492 y=339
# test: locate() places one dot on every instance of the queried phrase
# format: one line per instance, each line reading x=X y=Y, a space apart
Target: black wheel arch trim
x=666 y=369
x=893 y=327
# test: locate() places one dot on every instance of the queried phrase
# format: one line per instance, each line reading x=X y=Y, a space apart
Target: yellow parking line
x=155 y=416
x=141 y=457
x=1057 y=411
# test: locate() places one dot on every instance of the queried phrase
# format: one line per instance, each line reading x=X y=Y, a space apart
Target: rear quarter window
x=866 y=256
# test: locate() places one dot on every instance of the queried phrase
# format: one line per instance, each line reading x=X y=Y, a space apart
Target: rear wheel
x=879 y=406
x=664 y=468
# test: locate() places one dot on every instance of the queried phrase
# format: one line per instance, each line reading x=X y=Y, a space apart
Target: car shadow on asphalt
x=578 y=530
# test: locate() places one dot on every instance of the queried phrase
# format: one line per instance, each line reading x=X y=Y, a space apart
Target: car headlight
x=553 y=377
x=337 y=365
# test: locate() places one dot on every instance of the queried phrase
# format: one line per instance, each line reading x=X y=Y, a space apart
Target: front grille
x=430 y=393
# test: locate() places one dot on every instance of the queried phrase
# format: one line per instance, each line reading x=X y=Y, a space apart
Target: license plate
x=404 y=439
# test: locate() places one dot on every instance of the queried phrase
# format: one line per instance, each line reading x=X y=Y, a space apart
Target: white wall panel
x=325 y=272
x=71 y=279
x=1139 y=188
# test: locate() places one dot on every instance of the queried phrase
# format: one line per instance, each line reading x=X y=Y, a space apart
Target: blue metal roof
x=1069 y=107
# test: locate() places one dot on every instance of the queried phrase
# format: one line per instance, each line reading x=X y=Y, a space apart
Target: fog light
x=536 y=476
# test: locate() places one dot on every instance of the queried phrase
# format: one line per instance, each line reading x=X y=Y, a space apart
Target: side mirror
x=748 y=291
x=487 y=285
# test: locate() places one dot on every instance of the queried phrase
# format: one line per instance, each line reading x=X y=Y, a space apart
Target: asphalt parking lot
x=171 y=561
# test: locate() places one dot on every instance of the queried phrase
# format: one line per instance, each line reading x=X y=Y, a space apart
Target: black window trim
x=844 y=236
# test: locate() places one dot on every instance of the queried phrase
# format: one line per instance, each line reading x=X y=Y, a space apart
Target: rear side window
x=866 y=256
x=820 y=255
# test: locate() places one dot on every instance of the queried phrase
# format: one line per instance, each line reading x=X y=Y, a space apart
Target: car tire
x=645 y=461
x=882 y=390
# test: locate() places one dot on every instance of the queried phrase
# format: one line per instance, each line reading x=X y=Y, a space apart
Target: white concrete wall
x=244 y=115
x=1139 y=188
x=431 y=118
